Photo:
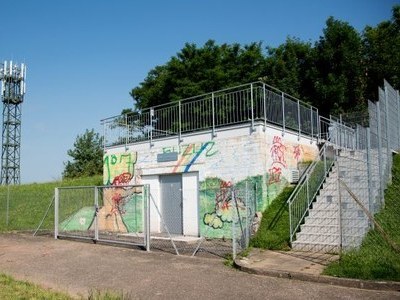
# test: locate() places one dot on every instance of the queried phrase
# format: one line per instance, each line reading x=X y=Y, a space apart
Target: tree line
x=337 y=74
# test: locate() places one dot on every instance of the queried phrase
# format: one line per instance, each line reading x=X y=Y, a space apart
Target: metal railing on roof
x=248 y=103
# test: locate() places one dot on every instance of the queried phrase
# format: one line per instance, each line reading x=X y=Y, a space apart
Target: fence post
x=8 y=202
x=398 y=119
x=283 y=113
x=147 y=215
x=369 y=160
x=387 y=120
x=339 y=204
x=247 y=215
x=213 y=114
x=380 y=159
x=56 y=204
x=252 y=107
x=96 y=207
x=290 y=223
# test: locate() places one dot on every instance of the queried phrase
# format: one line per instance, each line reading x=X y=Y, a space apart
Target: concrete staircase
x=335 y=219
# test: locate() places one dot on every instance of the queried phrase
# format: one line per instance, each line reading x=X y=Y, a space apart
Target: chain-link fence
x=346 y=212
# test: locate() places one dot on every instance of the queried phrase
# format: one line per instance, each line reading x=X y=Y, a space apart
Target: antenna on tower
x=12 y=77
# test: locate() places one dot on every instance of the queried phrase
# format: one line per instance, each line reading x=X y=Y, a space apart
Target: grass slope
x=274 y=228
x=28 y=203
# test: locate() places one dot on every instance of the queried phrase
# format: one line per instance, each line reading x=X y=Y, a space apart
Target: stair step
x=315 y=247
x=333 y=229
x=344 y=222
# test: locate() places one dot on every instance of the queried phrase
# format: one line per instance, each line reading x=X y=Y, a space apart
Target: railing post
x=325 y=168
x=126 y=131
x=252 y=107
x=298 y=118
x=151 y=125
x=283 y=113
x=56 y=211
x=180 y=121
x=265 y=108
x=213 y=114
x=104 y=136
x=312 y=124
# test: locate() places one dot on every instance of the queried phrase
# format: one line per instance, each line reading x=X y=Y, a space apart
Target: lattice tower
x=12 y=78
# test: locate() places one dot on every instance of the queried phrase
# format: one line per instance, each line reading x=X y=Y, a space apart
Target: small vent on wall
x=294 y=175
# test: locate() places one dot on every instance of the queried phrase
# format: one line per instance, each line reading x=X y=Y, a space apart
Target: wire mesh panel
x=121 y=214
x=353 y=172
x=75 y=212
x=117 y=214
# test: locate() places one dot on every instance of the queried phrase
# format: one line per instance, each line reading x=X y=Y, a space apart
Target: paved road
x=77 y=267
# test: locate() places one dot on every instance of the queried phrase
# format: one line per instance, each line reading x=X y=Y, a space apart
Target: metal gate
x=117 y=214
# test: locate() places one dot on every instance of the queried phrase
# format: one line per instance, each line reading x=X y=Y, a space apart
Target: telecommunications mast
x=12 y=77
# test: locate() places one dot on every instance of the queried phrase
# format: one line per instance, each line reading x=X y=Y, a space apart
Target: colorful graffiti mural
x=122 y=207
x=220 y=205
x=190 y=153
x=119 y=169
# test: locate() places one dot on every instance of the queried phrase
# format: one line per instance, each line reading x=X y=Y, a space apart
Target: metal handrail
x=304 y=183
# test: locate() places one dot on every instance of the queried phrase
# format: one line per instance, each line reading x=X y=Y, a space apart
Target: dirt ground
x=76 y=267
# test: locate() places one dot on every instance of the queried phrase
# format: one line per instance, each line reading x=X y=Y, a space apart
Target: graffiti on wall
x=278 y=160
x=282 y=157
x=119 y=169
x=218 y=206
x=122 y=207
x=297 y=150
x=190 y=153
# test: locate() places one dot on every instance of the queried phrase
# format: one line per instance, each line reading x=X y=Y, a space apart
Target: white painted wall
x=234 y=154
x=190 y=199
x=153 y=181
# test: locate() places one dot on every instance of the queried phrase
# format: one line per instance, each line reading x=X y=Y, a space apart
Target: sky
x=83 y=57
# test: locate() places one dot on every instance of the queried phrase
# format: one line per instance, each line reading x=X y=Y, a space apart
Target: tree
x=87 y=156
x=288 y=67
x=194 y=71
x=339 y=72
x=382 y=52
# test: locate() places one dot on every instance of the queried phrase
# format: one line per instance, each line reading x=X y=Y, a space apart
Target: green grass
x=11 y=289
x=28 y=203
x=15 y=289
x=376 y=259
x=274 y=228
